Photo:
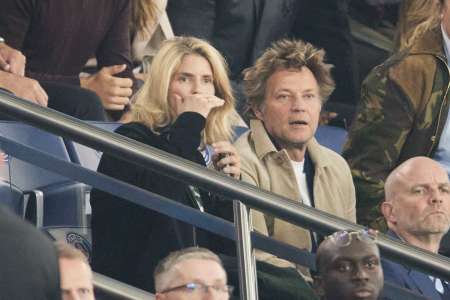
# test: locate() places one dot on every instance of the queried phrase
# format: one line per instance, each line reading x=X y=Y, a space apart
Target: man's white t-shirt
x=301 y=181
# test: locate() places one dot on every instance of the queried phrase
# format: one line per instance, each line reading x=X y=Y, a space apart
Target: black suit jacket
x=408 y=278
x=240 y=29
x=275 y=21
x=228 y=25
x=325 y=24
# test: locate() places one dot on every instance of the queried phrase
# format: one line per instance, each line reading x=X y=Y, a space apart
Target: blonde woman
x=186 y=108
x=149 y=27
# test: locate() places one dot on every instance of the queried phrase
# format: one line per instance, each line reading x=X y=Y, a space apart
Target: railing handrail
x=175 y=167
x=171 y=208
x=119 y=289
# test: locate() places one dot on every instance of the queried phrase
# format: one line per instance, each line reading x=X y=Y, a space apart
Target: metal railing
x=108 y=288
x=186 y=171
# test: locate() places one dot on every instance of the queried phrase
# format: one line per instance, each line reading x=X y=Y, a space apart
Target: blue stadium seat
x=86 y=156
x=63 y=199
x=331 y=137
x=12 y=197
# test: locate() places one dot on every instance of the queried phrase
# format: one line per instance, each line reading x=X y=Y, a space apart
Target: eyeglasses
x=345 y=238
x=195 y=287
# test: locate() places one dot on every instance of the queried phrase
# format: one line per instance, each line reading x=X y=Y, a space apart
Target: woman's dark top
x=129 y=240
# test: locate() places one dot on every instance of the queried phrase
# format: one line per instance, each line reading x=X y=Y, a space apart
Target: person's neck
x=428 y=242
x=296 y=154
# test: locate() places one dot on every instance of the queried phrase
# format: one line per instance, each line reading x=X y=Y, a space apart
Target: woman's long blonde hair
x=416 y=17
x=152 y=106
x=143 y=17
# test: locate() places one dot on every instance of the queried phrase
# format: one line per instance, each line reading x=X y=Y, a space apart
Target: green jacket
x=403 y=109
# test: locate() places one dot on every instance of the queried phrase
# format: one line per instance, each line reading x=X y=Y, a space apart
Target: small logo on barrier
x=80 y=243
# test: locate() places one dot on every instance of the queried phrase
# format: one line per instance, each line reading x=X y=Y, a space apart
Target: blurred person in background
x=150 y=26
x=28 y=260
x=333 y=34
x=71 y=100
x=404 y=107
x=58 y=37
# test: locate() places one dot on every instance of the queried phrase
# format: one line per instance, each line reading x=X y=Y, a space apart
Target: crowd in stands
x=181 y=75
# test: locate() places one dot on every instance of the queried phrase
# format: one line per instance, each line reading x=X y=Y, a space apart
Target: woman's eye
x=182 y=79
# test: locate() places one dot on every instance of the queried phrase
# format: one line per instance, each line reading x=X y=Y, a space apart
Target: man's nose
x=360 y=273
x=298 y=103
x=436 y=196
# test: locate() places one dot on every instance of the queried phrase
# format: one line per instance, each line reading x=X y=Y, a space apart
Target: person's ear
x=318 y=286
x=387 y=211
x=257 y=111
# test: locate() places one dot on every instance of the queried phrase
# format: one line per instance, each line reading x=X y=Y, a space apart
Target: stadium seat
x=84 y=155
x=12 y=197
x=331 y=137
x=63 y=199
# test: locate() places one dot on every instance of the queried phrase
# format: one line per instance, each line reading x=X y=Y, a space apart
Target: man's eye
x=207 y=80
x=445 y=189
x=183 y=79
x=84 y=291
x=372 y=264
x=419 y=191
x=283 y=97
x=344 y=268
x=309 y=96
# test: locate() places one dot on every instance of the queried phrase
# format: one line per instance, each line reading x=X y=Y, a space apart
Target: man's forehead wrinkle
x=407 y=175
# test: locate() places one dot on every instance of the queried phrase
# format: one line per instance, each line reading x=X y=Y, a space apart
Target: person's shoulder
x=404 y=67
x=134 y=130
x=245 y=145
